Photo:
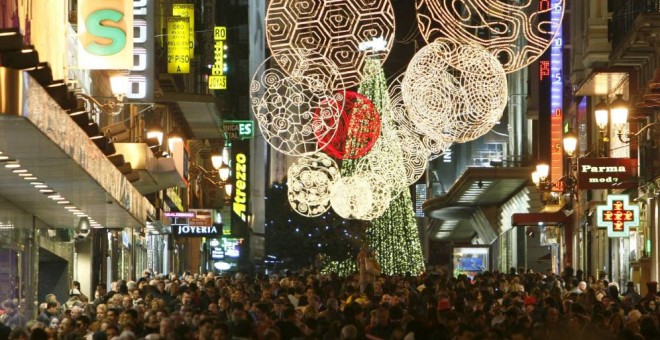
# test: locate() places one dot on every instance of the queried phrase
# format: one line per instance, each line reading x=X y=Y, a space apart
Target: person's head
x=349 y=332
x=111 y=331
x=52 y=307
x=54 y=322
x=166 y=327
x=101 y=289
x=582 y=285
x=112 y=315
x=67 y=325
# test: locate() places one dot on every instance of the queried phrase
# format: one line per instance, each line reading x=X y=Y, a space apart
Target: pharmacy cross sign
x=618 y=216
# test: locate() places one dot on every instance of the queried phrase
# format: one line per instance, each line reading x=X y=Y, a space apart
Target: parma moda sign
x=607 y=173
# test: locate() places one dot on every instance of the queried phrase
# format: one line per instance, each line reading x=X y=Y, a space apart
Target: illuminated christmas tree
x=393 y=235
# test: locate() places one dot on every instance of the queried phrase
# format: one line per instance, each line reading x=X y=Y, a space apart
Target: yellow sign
x=217 y=79
x=105 y=34
x=187 y=11
x=178 y=57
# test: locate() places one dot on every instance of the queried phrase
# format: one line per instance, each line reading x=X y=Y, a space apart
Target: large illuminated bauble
x=310 y=180
x=351 y=197
x=380 y=195
x=334 y=28
x=516 y=32
x=402 y=120
x=414 y=155
x=385 y=160
x=357 y=130
x=451 y=104
x=285 y=104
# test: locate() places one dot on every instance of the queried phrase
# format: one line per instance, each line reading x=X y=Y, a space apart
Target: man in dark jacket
x=51 y=311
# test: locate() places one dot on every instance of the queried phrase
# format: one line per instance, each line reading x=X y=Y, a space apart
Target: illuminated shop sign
x=607 y=173
x=178 y=39
x=618 y=215
x=238 y=129
x=179 y=214
x=203 y=218
x=187 y=11
x=142 y=73
x=240 y=192
x=217 y=79
x=193 y=231
x=105 y=34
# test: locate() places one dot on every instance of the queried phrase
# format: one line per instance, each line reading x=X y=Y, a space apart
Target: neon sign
x=618 y=216
x=556 y=99
x=240 y=197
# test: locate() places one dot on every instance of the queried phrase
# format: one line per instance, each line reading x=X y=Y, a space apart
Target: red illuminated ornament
x=357 y=131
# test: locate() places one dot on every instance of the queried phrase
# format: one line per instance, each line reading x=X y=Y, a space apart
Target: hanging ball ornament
x=310 y=180
x=516 y=32
x=357 y=130
x=351 y=197
x=380 y=195
x=293 y=108
x=346 y=32
x=454 y=104
x=402 y=120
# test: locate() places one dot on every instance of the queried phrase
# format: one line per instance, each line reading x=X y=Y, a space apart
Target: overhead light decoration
x=517 y=33
x=293 y=111
x=357 y=130
x=401 y=118
x=454 y=92
x=310 y=180
x=380 y=195
x=334 y=29
x=351 y=197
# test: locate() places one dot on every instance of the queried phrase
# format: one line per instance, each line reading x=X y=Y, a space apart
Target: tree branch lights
x=346 y=32
x=357 y=130
x=516 y=32
x=310 y=180
x=351 y=197
x=454 y=92
x=292 y=110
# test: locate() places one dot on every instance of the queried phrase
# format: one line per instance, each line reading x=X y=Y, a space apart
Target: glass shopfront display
x=470 y=261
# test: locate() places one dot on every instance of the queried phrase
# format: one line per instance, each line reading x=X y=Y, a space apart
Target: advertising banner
x=178 y=34
x=187 y=11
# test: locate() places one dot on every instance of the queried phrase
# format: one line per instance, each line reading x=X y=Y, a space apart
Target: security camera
x=83 y=225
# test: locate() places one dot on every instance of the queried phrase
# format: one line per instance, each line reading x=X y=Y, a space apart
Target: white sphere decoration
x=310 y=180
x=402 y=120
x=285 y=105
x=516 y=32
x=454 y=103
x=380 y=196
x=351 y=197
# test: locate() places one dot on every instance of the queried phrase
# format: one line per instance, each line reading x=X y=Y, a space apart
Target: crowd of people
x=515 y=305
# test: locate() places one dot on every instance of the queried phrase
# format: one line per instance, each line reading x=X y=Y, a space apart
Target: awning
x=559 y=217
x=472 y=206
x=200 y=113
x=41 y=137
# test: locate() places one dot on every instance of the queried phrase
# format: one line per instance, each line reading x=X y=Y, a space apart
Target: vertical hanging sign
x=105 y=34
x=217 y=79
x=556 y=100
x=187 y=11
x=178 y=34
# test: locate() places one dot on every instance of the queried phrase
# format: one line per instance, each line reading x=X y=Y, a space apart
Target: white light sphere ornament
x=310 y=180
x=454 y=103
x=351 y=197
x=346 y=32
x=515 y=32
x=292 y=110
x=402 y=120
x=380 y=195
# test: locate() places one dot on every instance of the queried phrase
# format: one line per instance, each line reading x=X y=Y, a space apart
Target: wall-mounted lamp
x=154 y=130
x=602 y=113
x=175 y=136
x=112 y=106
x=229 y=189
x=570 y=143
x=223 y=172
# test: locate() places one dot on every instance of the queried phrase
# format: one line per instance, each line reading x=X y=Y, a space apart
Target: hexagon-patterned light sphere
x=346 y=32
x=310 y=180
x=516 y=32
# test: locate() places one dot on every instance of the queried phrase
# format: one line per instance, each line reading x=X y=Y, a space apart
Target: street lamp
x=570 y=143
x=602 y=112
x=619 y=111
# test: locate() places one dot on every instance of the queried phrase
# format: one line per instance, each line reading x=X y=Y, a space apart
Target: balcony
x=632 y=31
